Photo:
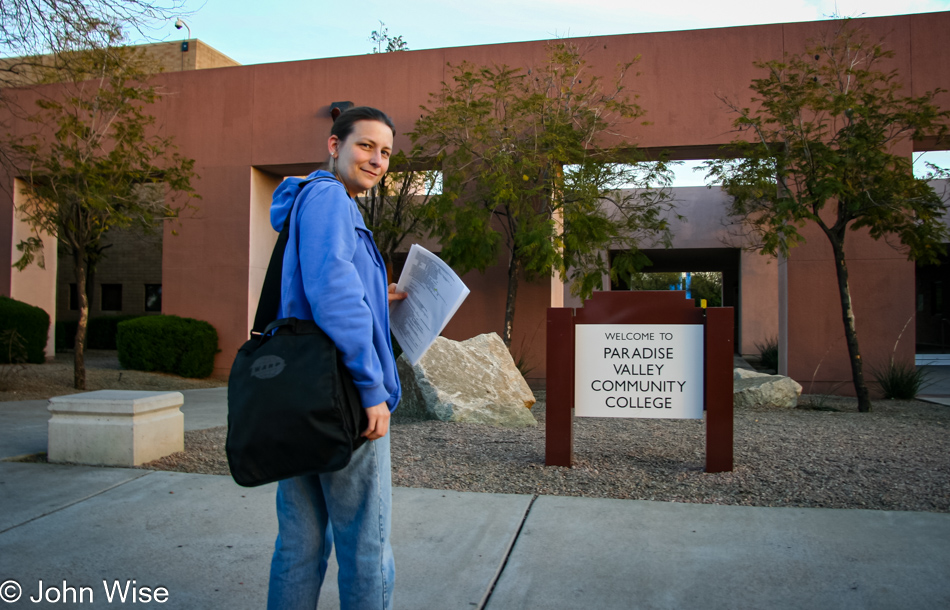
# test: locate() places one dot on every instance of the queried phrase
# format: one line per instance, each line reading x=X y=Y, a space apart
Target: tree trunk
x=510 y=301
x=79 y=362
x=850 y=332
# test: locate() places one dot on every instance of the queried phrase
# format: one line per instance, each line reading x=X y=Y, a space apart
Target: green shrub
x=182 y=346
x=14 y=352
x=900 y=380
x=31 y=324
x=768 y=353
x=100 y=334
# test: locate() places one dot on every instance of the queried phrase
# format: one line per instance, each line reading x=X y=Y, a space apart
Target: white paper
x=435 y=294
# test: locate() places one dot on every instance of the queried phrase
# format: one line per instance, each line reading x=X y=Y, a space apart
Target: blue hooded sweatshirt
x=333 y=274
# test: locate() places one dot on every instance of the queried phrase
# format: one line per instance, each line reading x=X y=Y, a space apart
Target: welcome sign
x=639 y=370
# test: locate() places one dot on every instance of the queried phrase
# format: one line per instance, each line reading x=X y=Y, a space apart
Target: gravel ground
x=825 y=454
x=39 y=381
x=894 y=458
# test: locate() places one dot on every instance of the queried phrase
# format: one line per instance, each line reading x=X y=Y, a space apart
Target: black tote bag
x=292 y=405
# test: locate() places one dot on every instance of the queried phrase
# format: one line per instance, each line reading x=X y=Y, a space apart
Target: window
x=153 y=297
x=73 y=297
x=111 y=297
x=940 y=158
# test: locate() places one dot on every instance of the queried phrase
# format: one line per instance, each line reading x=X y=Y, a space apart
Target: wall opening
x=720 y=263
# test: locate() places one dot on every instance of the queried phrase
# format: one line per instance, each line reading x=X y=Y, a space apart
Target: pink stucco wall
x=273 y=120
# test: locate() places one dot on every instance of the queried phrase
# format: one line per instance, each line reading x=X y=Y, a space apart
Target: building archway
x=726 y=261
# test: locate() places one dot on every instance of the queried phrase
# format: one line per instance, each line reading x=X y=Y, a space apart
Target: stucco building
x=128 y=280
x=250 y=126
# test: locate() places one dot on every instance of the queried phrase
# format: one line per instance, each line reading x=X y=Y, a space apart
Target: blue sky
x=253 y=32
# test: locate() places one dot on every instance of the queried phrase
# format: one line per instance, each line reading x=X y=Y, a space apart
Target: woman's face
x=363 y=157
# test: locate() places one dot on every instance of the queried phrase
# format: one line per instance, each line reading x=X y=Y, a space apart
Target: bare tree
x=396 y=208
x=32 y=27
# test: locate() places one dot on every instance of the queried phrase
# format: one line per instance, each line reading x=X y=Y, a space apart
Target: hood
x=286 y=194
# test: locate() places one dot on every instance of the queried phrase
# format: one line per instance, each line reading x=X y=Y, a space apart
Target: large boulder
x=754 y=389
x=473 y=381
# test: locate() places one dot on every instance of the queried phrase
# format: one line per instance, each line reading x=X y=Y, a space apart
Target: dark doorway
x=933 y=307
x=723 y=260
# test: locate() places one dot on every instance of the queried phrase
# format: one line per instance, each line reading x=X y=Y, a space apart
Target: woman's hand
x=396 y=296
x=378 y=417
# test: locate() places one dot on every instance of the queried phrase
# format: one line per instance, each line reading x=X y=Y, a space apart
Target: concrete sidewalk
x=208 y=543
x=936 y=387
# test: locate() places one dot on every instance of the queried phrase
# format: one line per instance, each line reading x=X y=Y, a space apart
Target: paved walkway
x=208 y=542
x=936 y=384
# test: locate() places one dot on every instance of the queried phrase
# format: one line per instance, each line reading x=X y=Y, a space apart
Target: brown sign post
x=640 y=307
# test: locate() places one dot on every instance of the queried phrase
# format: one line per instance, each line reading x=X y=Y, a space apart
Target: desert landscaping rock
x=473 y=381
x=761 y=390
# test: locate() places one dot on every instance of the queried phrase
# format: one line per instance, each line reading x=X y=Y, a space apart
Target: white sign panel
x=638 y=370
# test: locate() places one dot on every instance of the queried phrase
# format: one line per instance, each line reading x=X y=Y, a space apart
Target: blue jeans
x=351 y=508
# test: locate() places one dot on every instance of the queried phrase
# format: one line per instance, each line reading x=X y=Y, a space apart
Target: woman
x=333 y=273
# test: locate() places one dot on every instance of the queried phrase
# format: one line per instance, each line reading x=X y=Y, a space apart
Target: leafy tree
x=818 y=149
x=532 y=164
x=707 y=285
x=703 y=284
x=394 y=209
x=94 y=164
x=386 y=43
x=397 y=207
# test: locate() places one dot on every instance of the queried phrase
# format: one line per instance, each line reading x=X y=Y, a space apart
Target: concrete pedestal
x=115 y=427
